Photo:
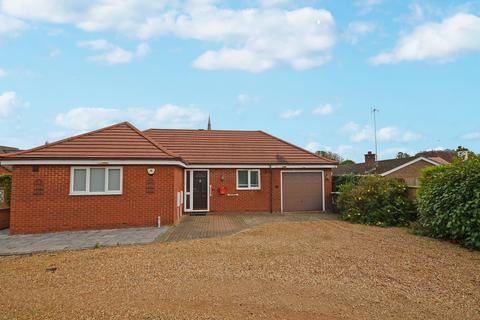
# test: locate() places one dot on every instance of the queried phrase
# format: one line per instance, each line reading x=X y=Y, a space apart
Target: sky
x=309 y=72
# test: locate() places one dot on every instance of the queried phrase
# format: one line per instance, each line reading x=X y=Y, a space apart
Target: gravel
x=296 y=270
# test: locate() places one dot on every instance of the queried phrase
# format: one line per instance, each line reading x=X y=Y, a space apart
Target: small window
x=96 y=181
x=248 y=179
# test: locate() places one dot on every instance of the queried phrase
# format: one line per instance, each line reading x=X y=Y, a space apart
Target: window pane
x=79 y=179
x=243 y=178
x=254 y=179
x=97 y=180
x=113 y=179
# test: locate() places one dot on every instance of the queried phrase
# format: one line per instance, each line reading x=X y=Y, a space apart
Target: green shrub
x=338 y=181
x=6 y=182
x=375 y=200
x=449 y=202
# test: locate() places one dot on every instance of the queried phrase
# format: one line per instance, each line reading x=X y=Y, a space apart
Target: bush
x=449 y=202
x=338 y=181
x=375 y=200
x=6 y=182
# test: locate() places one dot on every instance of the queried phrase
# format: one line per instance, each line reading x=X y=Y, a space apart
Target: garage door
x=302 y=191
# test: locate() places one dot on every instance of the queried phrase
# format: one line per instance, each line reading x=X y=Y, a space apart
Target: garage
x=302 y=191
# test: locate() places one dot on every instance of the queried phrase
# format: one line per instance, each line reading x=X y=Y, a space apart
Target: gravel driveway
x=295 y=270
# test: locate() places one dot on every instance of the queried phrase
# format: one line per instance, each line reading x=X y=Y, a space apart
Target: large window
x=96 y=180
x=248 y=179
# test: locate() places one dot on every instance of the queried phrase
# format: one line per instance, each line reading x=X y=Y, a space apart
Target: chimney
x=370 y=158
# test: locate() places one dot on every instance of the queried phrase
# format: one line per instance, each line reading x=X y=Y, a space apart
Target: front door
x=196 y=190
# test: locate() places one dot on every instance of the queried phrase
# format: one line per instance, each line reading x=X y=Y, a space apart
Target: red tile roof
x=232 y=147
x=120 y=141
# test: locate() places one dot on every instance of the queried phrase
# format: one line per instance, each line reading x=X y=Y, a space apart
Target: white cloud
x=113 y=54
x=87 y=118
x=472 y=136
x=343 y=150
x=439 y=42
x=11 y=26
x=358 y=29
x=249 y=39
x=366 y=6
x=273 y=3
x=98 y=44
x=291 y=113
x=3 y=73
x=324 y=110
x=358 y=133
x=166 y=116
x=8 y=102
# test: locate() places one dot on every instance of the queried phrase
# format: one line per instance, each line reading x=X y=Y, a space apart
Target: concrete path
x=24 y=244
x=217 y=225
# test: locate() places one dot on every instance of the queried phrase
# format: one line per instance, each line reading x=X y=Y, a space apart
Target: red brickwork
x=263 y=200
x=41 y=200
x=411 y=172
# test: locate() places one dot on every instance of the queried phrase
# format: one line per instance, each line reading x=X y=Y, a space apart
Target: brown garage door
x=302 y=191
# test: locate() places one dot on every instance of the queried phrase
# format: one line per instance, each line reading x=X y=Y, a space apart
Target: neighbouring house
x=4 y=151
x=119 y=176
x=408 y=169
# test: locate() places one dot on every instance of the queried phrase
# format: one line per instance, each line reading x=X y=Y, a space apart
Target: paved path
x=24 y=244
x=217 y=225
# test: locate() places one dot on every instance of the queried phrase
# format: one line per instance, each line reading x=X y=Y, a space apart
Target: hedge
x=449 y=202
x=338 y=181
x=6 y=182
x=375 y=200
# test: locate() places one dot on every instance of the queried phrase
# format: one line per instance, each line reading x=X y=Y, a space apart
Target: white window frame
x=249 y=187
x=101 y=193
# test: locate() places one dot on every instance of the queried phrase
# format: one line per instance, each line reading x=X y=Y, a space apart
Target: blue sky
x=306 y=71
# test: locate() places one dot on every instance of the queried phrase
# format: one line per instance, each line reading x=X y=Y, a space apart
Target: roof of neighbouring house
x=4 y=149
x=120 y=141
x=232 y=147
x=384 y=166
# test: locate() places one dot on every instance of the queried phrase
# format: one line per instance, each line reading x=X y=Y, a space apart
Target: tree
x=347 y=162
x=403 y=155
x=330 y=155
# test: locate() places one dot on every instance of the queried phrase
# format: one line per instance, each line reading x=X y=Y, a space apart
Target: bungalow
x=407 y=169
x=119 y=177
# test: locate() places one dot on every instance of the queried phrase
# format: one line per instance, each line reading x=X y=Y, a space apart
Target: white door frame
x=190 y=192
x=281 y=186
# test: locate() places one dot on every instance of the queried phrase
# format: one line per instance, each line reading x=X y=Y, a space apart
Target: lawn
x=302 y=270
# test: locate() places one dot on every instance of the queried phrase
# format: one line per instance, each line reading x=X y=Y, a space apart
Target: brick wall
x=411 y=172
x=263 y=200
x=41 y=200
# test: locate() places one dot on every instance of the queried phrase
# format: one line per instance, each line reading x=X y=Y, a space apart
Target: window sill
x=97 y=194
x=249 y=189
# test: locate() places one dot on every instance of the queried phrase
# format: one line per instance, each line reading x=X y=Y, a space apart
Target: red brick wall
x=56 y=210
x=411 y=172
x=253 y=200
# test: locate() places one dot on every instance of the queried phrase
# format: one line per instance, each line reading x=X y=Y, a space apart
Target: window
x=96 y=181
x=248 y=179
